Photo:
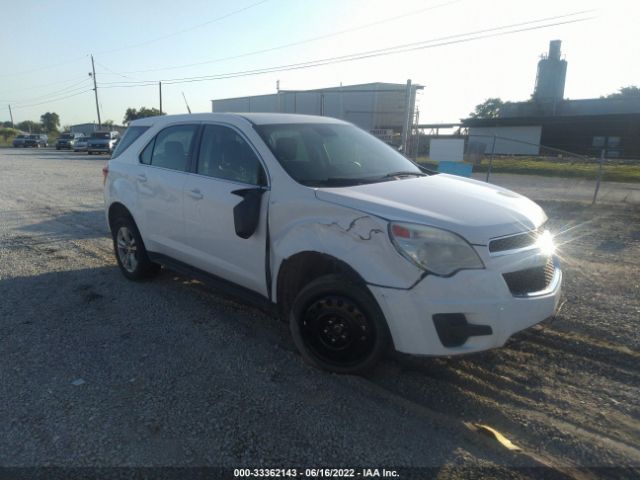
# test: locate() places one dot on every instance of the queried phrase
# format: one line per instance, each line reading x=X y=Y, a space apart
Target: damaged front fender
x=358 y=239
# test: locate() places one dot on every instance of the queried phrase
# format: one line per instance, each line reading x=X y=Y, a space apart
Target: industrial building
x=384 y=109
x=584 y=127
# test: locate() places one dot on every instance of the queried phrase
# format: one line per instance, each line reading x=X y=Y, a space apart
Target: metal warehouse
x=384 y=109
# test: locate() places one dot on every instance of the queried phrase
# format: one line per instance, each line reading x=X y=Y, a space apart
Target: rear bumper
x=487 y=312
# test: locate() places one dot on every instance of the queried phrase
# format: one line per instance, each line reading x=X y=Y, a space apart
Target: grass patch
x=611 y=172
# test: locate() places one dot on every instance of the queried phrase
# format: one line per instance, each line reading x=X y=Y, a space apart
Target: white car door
x=161 y=176
x=225 y=209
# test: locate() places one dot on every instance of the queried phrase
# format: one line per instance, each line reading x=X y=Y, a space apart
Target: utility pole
x=407 y=118
x=95 y=90
x=11 y=115
x=160 y=87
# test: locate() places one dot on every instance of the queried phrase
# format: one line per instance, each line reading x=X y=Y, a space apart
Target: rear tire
x=337 y=326
x=130 y=251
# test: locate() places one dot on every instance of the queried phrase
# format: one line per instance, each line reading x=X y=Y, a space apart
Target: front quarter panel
x=356 y=238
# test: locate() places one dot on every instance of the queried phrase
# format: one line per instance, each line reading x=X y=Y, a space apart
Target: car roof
x=251 y=117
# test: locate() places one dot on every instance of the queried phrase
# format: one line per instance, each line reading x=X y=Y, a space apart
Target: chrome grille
x=513 y=242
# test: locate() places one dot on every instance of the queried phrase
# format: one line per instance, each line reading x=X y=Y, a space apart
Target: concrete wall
x=448 y=150
x=509 y=140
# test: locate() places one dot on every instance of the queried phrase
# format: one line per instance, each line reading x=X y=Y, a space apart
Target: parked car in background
x=356 y=246
x=36 y=140
x=67 y=140
x=80 y=144
x=102 y=142
x=19 y=141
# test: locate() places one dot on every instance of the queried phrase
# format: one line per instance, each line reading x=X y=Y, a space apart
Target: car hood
x=475 y=210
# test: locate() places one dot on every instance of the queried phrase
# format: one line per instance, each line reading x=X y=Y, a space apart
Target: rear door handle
x=142 y=178
x=196 y=194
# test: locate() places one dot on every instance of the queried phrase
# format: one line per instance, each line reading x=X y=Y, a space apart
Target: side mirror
x=246 y=214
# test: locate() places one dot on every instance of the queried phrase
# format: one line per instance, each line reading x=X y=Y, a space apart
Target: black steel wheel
x=337 y=325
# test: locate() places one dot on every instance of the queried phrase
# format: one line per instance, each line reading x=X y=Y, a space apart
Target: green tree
x=7 y=132
x=626 y=92
x=490 y=108
x=132 y=114
x=50 y=121
x=30 y=126
x=108 y=123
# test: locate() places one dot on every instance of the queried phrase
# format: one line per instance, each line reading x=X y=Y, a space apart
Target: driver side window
x=226 y=155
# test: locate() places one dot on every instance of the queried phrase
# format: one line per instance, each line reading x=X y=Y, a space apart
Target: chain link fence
x=535 y=170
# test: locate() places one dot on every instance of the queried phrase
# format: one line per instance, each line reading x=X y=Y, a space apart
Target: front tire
x=337 y=326
x=130 y=252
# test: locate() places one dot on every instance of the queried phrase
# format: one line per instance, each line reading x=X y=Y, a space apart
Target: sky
x=135 y=44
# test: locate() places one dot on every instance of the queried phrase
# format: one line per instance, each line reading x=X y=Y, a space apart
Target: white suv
x=355 y=245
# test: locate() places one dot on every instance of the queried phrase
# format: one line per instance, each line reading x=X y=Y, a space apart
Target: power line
x=47 y=67
x=68 y=89
x=179 y=32
x=76 y=59
x=45 y=85
x=113 y=72
x=437 y=42
x=49 y=98
x=300 y=42
x=52 y=100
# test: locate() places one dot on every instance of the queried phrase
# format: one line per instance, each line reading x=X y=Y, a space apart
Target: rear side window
x=171 y=148
x=130 y=136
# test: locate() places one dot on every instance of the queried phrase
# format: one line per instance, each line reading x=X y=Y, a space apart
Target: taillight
x=105 y=172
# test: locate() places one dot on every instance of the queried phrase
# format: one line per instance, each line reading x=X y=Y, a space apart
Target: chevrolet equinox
x=357 y=247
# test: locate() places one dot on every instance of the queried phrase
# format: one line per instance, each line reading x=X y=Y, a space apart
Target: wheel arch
x=300 y=269
x=118 y=209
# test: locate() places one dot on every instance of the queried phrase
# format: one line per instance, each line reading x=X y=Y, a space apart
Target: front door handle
x=142 y=178
x=196 y=194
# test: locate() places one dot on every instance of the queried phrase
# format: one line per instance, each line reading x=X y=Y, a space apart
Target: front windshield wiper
x=400 y=174
x=338 y=182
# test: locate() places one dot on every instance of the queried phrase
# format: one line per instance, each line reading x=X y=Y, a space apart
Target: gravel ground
x=567 y=189
x=99 y=371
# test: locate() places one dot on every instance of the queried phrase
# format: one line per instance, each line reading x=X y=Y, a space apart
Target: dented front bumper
x=471 y=311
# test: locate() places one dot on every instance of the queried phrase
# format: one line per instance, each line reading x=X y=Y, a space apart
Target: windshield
x=66 y=135
x=320 y=155
x=101 y=135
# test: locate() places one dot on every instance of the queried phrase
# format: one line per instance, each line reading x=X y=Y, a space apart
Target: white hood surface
x=475 y=210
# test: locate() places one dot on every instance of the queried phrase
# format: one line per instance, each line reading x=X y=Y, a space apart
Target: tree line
x=490 y=108
x=50 y=122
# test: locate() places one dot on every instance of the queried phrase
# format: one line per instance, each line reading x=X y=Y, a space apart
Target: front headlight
x=433 y=249
x=545 y=243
